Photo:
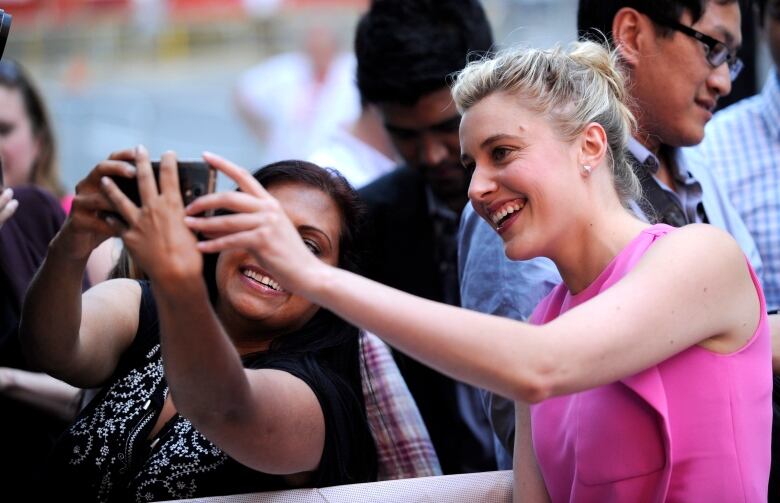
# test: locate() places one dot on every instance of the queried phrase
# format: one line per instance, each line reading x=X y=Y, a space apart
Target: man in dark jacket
x=406 y=50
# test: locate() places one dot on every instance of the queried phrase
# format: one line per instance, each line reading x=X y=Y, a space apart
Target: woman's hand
x=8 y=205
x=86 y=227
x=155 y=234
x=258 y=224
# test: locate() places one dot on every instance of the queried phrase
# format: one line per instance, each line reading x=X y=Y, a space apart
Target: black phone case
x=196 y=178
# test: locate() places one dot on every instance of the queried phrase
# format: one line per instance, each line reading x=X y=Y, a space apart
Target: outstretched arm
x=529 y=484
x=77 y=339
x=266 y=419
x=613 y=336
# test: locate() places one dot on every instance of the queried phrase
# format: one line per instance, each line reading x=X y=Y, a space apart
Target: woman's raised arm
x=266 y=419
x=74 y=339
x=622 y=331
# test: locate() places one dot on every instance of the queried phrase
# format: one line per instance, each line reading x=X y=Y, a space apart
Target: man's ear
x=628 y=27
x=593 y=145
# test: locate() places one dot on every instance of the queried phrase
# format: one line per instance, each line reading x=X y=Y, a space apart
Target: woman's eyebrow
x=496 y=137
x=311 y=228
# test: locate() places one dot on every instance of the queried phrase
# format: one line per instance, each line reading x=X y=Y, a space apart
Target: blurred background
x=194 y=75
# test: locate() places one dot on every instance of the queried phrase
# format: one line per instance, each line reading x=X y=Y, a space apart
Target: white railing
x=486 y=487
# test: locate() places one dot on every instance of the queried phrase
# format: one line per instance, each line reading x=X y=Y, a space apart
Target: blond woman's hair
x=570 y=87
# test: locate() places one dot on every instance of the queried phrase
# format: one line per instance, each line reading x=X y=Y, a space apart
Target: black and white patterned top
x=107 y=455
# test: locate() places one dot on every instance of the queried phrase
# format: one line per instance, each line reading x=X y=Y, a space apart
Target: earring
x=586 y=170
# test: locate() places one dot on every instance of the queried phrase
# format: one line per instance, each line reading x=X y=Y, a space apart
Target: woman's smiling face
x=523 y=173
x=249 y=293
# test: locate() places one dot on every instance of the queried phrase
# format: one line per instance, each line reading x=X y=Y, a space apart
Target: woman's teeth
x=499 y=216
x=263 y=280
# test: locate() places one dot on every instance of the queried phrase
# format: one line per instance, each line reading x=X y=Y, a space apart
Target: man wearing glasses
x=680 y=58
x=742 y=147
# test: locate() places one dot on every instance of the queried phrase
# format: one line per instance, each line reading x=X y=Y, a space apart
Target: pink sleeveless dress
x=694 y=428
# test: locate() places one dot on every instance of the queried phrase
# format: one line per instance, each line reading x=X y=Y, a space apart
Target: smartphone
x=5 y=29
x=196 y=178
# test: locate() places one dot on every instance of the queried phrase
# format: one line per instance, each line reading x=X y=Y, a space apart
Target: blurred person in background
x=742 y=147
x=361 y=151
x=27 y=143
x=406 y=50
x=29 y=150
x=293 y=101
x=214 y=380
x=35 y=407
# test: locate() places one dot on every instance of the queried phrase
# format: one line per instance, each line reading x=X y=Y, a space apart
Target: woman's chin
x=518 y=253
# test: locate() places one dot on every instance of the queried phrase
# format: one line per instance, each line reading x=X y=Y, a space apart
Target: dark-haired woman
x=212 y=387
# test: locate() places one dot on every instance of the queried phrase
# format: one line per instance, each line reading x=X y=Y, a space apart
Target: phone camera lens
x=197 y=191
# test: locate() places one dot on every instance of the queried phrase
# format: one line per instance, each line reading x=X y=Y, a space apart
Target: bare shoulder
x=704 y=269
x=698 y=246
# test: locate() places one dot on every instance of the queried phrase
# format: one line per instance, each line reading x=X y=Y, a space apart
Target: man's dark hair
x=760 y=6
x=407 y=48
x=594 y=17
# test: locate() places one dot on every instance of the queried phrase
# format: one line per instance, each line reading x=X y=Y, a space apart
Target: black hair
x=407 y=48
x=760 y=6
x=330 y=182
x=594 y=17
x=327 y=345
x=326 y=338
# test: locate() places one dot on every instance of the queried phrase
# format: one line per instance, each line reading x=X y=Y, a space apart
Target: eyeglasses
x=715 y=51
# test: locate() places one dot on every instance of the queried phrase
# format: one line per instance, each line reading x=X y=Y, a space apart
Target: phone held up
x=196 y=178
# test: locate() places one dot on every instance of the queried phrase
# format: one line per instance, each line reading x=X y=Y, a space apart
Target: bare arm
x=529 y=484
x=268 y=420
x=77 y=339
x=40 y=390
x=613 y=336
x=265 y=419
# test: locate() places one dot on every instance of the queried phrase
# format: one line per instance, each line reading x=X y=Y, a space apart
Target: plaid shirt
x=742 y=147
x=403 y=446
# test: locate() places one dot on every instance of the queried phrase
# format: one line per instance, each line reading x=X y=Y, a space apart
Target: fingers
x=127 y=154
x=169 y=175
x=95 y=223
x=104 y=168
x=239 y=240
x=92 y=202
x=6 y=196
x=246 y=182
x=8 y=206
x=124 y=206
x=236 y=202
x=227 y=224
x=147 y=187
x=115 y=226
